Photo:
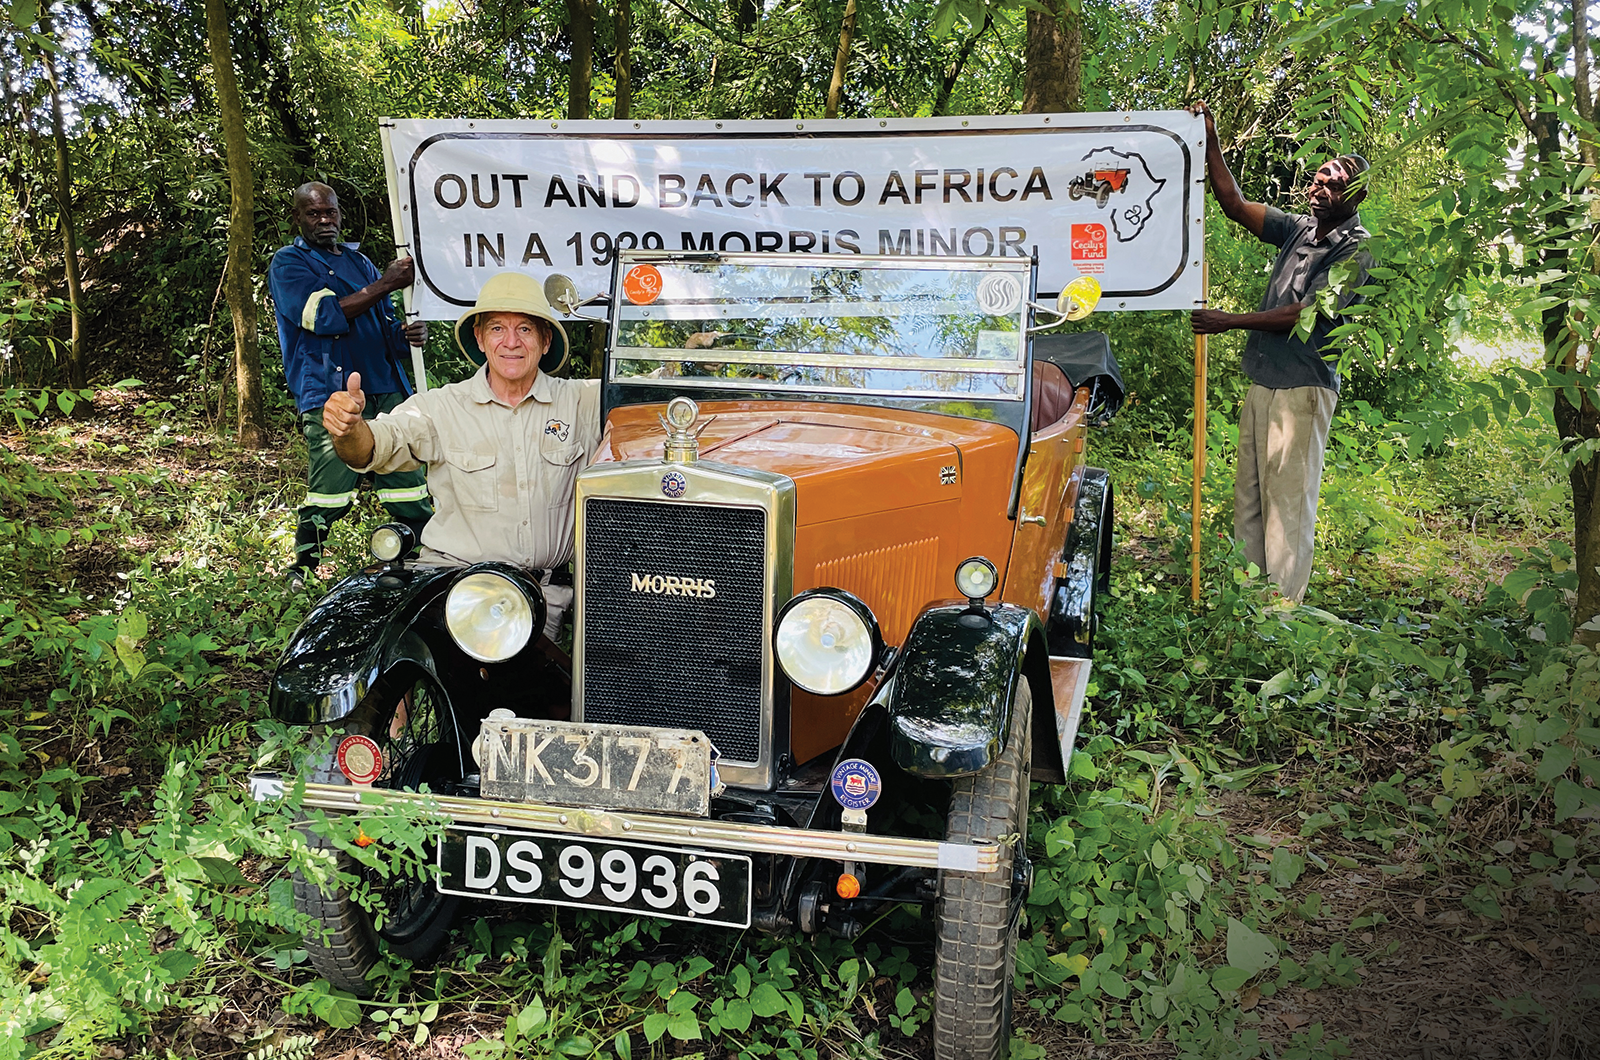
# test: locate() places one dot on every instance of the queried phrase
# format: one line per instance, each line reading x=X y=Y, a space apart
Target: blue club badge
x=673 y=484
x=856 y=784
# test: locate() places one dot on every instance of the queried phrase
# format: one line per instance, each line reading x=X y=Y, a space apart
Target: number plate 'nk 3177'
x=608 y=767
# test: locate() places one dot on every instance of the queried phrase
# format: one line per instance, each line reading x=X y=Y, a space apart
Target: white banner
x=1119 y=196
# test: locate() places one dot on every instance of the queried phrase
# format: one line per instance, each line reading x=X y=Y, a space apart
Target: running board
x=1069 y=680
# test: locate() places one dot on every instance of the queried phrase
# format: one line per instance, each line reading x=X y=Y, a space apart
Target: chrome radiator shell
x=677 y=669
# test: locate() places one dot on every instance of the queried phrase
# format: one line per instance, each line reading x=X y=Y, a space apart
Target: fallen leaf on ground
x=1292 y=1020
x=1421 y=908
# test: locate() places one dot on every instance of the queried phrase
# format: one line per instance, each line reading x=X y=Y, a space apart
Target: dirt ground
x=1436 y=981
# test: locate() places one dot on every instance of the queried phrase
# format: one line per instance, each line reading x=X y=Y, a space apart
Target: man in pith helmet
x=503 y=448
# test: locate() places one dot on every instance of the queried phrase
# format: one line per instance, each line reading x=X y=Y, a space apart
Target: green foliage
x=115 y=925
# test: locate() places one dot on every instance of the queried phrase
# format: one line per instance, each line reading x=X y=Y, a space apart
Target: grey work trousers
x=1283 y=435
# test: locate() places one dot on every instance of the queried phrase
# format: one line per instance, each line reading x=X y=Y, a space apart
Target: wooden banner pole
x=402 y=247
x=1199 y=442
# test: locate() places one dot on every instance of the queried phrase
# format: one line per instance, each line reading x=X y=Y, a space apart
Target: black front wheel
x=343 y=942
x=978 y=912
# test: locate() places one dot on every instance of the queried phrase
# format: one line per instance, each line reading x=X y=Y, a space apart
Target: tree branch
x=1482 y=59
x=948 y=84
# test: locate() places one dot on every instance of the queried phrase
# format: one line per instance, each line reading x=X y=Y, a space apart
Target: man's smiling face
x=512 y=345
x=1329 y=193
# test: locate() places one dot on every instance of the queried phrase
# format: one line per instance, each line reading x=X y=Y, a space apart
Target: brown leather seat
x=1052 y=394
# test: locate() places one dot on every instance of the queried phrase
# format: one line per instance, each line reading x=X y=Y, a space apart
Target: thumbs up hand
x=342 y=411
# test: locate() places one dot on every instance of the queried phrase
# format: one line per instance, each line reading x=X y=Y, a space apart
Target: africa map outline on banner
x=1137 y=216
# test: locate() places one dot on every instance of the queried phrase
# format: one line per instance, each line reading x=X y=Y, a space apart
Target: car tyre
x=343 y=944
x=975 y=948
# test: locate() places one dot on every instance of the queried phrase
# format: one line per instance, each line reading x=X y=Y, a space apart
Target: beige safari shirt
x=502 y=477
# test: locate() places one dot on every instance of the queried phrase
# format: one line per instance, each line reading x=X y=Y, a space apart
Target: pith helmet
x=513 y=292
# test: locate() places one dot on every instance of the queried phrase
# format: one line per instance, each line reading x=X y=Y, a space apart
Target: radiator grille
x=684 y=661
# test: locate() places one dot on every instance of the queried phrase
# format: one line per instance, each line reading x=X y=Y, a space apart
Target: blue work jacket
x=321 y=347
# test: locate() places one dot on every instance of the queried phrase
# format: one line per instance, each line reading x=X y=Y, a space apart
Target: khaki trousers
x=1283 y=435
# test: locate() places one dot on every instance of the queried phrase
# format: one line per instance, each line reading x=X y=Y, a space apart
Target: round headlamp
x=391 y=541
x=489 y=615
x=827 y=641
x=976 y=578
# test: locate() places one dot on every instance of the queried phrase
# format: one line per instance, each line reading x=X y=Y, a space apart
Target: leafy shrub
x=99 y=934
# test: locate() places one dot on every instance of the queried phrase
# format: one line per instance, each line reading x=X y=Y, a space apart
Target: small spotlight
x=391 y=541
x=976 y=578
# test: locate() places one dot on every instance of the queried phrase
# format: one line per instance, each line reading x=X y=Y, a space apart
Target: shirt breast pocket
x=561 y=465
x=472 y=476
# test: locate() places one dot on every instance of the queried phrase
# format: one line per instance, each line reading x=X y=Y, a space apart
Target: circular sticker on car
x=999 y=295
x=673 y=484
x=642 y=285
x=359 y=759
x=856 y=784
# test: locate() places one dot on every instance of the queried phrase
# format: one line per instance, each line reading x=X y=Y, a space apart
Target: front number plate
x=707 y=888
x=608 y=767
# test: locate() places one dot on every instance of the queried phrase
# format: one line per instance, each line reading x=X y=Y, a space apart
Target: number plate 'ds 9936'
x=606 y=767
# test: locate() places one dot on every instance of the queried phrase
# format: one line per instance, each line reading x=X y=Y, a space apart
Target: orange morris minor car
x=837 y=564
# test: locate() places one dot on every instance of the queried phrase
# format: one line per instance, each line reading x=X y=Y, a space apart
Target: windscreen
x=936 y=328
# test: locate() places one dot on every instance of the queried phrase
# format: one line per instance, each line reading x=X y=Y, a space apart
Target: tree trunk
x=1584 y=479
x=623 y=107
x=580 y=26
x=1582 y=90
x=77 y=369
x=1054 y=59
x=275 y=77
x=746 y=13
x=1575 y=423
x=237 y=281
x=947 y=85
x=847 y=32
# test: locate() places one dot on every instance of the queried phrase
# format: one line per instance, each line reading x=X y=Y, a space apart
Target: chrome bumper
x=649 y=828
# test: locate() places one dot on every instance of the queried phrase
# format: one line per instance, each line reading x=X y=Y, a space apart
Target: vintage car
x=837 y=565
x=1098 y=184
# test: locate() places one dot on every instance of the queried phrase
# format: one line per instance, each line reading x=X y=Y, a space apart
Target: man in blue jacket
x=335 y=319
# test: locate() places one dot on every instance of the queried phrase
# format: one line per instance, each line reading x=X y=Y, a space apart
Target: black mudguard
x=353 y=635
x=1087 y=555
x=949 y=700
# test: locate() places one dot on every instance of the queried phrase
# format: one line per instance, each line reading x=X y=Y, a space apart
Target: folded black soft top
x=1087 y=359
